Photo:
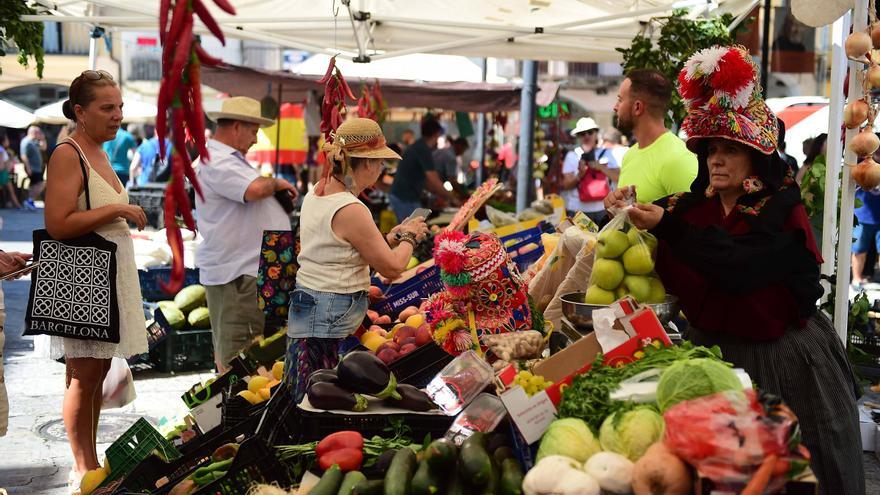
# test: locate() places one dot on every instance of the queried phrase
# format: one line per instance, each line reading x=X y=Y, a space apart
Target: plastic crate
x=410 y=293
x=420 y=366
x=236 y=410
x=255 y=462
x=315 y=426
x=135 y=445
x=184 y=350
x=150 y=278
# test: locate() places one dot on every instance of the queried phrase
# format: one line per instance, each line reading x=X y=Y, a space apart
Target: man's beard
x=623 y=125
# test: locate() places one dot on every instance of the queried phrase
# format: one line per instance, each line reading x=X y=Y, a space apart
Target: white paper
x=603 y=323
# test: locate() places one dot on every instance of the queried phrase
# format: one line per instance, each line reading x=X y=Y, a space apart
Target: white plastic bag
x=118 y=390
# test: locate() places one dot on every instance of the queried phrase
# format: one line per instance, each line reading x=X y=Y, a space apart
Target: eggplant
x=411 y=399
x=328 y=376
x=364 y=373
x=325 y=395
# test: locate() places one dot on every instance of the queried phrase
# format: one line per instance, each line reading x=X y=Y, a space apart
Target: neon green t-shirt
x=663 y=168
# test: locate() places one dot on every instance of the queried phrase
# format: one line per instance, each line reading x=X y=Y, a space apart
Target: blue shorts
x=866 y=235
x=325 y=315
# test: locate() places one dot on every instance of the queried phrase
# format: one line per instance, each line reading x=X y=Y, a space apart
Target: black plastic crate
x=255 y=462
x=236 y=410
x=184 y=350
x=152 y=200
x=150 y=278
x=420 y=366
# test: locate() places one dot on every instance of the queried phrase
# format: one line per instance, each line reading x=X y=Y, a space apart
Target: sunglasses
x=94 y=75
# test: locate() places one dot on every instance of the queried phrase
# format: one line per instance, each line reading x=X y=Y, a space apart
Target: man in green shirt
x=659 y=164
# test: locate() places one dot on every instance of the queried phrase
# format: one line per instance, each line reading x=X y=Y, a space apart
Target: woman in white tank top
x=339 y=244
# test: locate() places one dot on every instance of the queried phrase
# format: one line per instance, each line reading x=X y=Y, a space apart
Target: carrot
x=761 y=477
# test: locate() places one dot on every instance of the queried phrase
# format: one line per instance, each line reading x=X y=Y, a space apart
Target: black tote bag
x=73 y=292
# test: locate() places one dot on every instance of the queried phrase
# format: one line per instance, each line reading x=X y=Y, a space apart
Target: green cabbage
x=569 y=437
x=631 y=433
x=693 y=378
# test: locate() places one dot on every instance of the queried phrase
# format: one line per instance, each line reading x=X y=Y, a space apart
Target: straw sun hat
x=241 y=108
x=362 y=138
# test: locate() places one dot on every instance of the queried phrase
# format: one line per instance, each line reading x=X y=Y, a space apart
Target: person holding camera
x=587 y=172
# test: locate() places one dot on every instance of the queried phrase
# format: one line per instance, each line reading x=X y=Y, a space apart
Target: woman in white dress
x=95 y=105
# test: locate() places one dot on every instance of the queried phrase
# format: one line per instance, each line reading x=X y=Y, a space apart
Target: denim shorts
x=866 y=235
x=325 y=314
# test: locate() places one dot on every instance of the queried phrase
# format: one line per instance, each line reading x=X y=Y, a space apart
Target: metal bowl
x=580 y=314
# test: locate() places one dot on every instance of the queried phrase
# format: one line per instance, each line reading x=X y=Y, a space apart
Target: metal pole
x=840 y=30
x=526 y=133
x=94 y=36
x=481 y=134
x=278 y=133
x=847 y=199
x=765 y=48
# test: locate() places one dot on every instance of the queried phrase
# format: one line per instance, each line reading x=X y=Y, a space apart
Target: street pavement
x=34 y=455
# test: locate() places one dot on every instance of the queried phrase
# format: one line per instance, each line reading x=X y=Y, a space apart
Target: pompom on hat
x=722 y=95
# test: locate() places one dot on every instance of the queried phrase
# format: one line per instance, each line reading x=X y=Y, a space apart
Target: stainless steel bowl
x=580 y=314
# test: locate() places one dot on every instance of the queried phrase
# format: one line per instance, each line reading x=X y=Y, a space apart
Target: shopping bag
x=624 y=264
x=277 y=272
x=118 y=389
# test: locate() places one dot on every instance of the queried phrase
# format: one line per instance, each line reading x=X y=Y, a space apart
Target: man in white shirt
x=238 y=206
x=587 y=159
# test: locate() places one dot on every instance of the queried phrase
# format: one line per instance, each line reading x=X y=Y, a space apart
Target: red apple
x=408 y=348
x=404 y=332
x=423 y=336
x=388 y=356
x=394 y=346
x=408 y=340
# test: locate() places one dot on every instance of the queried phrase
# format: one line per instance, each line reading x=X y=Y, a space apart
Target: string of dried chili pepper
x=164 y=6
x=208 y=20
x=178 y=20
x=205 y=58
x=198 y=120
x=226 y=6
x=175 y=242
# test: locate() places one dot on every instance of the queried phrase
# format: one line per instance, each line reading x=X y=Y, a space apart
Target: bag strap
x=82 y=166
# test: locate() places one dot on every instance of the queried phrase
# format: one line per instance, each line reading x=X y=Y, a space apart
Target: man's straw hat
x=241 y=108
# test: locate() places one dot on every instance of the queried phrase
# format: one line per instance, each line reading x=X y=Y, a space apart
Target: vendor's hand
x=645 y=216
x=617 y=198
x=283 y=185
x=9 y=262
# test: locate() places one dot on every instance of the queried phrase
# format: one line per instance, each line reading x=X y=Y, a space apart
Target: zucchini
x=349 y=481
x=398 y=478
x=426 y=481
x=441 y=455
x=368 y=487
x=478 y=438
x=329 y=484
x=475 y=463
x=511 y=478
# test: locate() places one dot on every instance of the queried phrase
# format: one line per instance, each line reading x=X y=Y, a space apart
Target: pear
x=658 y=292
x=639 y=286
x=637 y=260
x=607 y=274
x=637 y=236
x=621 y=292
x=599 y=296
x=612 y=243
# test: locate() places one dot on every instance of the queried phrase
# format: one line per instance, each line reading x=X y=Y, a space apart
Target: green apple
x=637 y=260
x=637 y=236
x=612 y=243
x=639 y=287
x=607 y=274
x=413 y=262
x=658 y=292
x=599 y=296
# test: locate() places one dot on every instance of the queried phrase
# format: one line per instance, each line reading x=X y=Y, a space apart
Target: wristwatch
x=408 y=237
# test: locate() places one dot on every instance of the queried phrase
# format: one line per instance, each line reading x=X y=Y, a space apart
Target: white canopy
x=572 y=30
x=132 y=111
x=12 y=115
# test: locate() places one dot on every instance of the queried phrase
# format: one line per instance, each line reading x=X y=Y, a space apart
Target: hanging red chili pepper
x=333 y=110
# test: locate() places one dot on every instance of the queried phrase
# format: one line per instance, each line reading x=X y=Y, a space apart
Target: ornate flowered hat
x=720 y=89
x=484 y=291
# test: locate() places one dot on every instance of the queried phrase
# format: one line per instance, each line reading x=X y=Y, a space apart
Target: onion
x=875 y=35
x=857 y=44
x=855 y=113
x=867 y=174
x=874 y=76
x=865 y=143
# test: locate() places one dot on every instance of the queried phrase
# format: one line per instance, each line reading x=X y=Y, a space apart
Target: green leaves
x=26 y=36
x=680 y=37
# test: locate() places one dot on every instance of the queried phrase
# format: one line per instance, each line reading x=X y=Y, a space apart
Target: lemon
x=374 y=342
x=249 y=396
x=264 y=394
x=278 y=369
x=257 y=382
x=415 y=320
x=91 y=480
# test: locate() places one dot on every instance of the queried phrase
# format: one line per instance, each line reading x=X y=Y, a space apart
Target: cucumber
x=491 y=487
x=511 y=478
x=475 y=463
x=441 y=455
x=349 y=481
x=398 y=478
x=329 y=484
x=502 y=453
x=426 y=481
x=368 y=487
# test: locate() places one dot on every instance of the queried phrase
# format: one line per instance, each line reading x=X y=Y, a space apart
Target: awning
x=132 y=111
x=12 y=115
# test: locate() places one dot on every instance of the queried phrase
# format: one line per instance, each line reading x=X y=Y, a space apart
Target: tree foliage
x=680 y=37
x=27 y=37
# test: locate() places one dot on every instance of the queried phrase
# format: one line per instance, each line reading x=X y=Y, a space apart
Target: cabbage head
x=693 y=378
x=631 y=433
x=570 y=437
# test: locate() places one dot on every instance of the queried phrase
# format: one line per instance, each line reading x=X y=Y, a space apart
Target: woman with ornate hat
x=340 y=242
x=738 y=251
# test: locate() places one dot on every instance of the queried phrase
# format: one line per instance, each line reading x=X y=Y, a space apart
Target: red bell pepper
x=346 y=459
x=340 y=440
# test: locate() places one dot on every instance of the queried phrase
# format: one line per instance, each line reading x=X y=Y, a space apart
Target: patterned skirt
x=809 y=369
x=307 y=355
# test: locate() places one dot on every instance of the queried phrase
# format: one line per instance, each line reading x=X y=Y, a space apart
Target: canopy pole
x=94 y=36
x=278 y=133
x=840 y=29
x=847 y=199
x=481 y=133
x=765 y=48
x=526 y=133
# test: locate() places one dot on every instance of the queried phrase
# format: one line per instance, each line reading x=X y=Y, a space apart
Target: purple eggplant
x=325 y=395
x=328 y=376
x=364 y=373
x=411 y=399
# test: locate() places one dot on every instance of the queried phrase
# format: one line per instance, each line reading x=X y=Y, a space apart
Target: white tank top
x=326 y=262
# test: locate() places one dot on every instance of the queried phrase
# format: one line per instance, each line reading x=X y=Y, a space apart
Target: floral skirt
x=307 y=355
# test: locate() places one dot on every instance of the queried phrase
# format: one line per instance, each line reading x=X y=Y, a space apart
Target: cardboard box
x=806 y=484
x=532 y=415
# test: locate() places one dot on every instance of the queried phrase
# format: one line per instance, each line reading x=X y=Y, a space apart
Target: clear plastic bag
x=118 y=389
x=624 y=264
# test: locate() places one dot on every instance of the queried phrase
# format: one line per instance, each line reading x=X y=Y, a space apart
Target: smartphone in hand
x=27 y=268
